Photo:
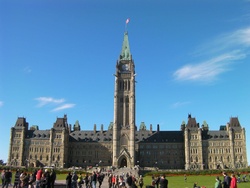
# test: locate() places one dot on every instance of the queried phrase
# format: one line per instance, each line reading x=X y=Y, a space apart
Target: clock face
x=125 y=67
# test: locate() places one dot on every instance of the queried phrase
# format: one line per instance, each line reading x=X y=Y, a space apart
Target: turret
x=77 y=126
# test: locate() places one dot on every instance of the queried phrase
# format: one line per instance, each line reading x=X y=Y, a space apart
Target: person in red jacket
x=38 y=177
x=233 y=183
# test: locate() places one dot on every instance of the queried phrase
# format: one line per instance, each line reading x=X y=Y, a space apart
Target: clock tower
x=124 y=109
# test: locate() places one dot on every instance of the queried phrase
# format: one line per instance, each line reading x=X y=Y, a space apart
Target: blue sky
x=59 y=57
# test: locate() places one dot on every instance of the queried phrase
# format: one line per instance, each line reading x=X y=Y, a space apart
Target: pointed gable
x=191 y=124
x=61 y=123
x=21 y=123
x=234 y=123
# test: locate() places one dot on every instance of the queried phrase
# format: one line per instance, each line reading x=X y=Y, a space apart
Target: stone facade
x=123 y=144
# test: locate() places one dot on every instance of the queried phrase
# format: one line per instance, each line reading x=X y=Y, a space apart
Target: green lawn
x=178 y=181
x=207 y=181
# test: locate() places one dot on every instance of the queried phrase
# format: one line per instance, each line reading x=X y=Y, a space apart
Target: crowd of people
x=130 y=181
x=45 y=178
x=226 y=182
x=22 y=179
x=93 y=180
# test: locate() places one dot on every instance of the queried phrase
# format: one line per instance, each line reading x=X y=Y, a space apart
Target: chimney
x=95 y=128
x=158 y=127
x=101 y=128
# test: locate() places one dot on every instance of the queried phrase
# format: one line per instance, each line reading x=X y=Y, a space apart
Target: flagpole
x=126 y=24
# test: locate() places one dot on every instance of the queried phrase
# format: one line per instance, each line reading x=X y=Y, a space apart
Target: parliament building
x=124 y=143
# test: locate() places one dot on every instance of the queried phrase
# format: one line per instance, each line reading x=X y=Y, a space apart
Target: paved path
x=63 y=183
x=120 y=171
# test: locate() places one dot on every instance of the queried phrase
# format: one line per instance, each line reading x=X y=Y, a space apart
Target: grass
x=179 y=182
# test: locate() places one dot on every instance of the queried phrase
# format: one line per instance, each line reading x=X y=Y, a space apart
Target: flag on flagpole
x=127 y=20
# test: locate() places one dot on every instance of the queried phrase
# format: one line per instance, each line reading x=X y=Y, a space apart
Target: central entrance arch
x=123 y=162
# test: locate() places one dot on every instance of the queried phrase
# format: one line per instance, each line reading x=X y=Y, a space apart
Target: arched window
x=196 y=159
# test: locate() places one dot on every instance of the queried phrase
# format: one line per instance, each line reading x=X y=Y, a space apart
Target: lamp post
x=85 y=165
x=100 y=165
x=26 y=163
x=156 y=165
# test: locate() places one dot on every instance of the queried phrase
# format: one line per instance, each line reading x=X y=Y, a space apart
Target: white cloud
x=237 y=40
x=223 y=51
x=48 y=100
x=62 y=107
x=27 y=69
x=1 y=103
x=208 y=70
x=179 y=104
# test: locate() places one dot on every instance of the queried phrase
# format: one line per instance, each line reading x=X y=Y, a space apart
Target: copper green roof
x=125 y=53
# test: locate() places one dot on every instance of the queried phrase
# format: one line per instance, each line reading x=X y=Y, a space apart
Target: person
x=244 y=177
x=110 y=180
x=7 y=178
x=86 y=179
x=113 y=180
x=2 y=176
x=24 y=178
x=116 y=181
x=38 y=177
x=226 y=181
x=47 y=179
x=140 y=180
x=196 y=185
x=129 y=181
x=185 y=178
x=100 y=178
x=163 y=182
x=17 y=179
x=80 y=181
x=74 y=180
x=133 y=182
x=32 y=179
x=52 y=178
x=68 y=180
x=153 y=181
x=233 y=183
x=93 y=179
x=157 y=181
x=43 y=181
x=217 y=182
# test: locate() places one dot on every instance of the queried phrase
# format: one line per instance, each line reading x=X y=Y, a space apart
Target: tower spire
x=125 y=53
